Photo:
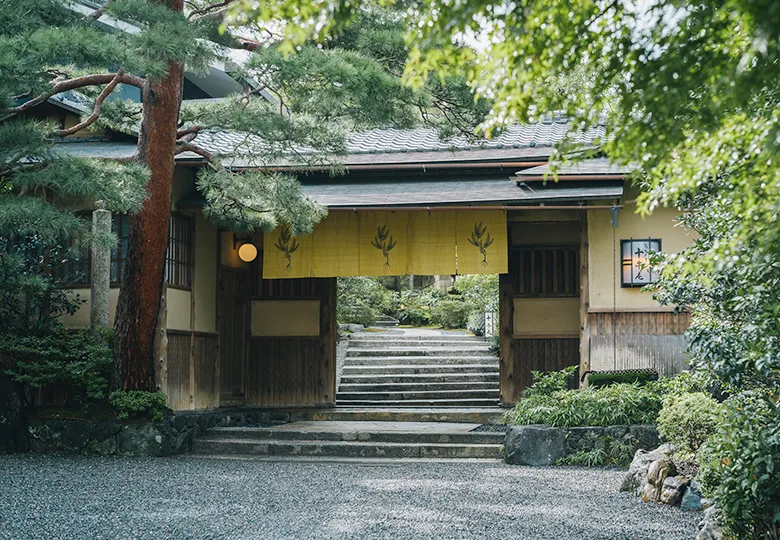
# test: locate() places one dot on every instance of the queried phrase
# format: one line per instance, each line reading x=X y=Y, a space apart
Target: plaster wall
x=546 y=316
x=80 y=319
x=286 y=318
x=604 y=252
x=179 y=307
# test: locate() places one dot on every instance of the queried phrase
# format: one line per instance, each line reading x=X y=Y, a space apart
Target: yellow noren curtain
x=391 y=244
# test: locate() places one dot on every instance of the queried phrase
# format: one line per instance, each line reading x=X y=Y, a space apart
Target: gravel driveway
x=79 y=497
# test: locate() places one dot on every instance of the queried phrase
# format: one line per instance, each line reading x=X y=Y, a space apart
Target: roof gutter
x=424 y=167
x=546 y=178
x=465 y=207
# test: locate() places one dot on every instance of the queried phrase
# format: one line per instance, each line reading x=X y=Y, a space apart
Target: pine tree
x=297 y=106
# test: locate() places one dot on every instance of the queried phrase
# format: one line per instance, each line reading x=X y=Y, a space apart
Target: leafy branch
x=479 y=240
x=383 y=241
x=287 y=245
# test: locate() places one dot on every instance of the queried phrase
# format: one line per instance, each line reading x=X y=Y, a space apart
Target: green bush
x=740 y=465
x=609 y=451
x=413 y=316
x=495 y=344
x=80 y=360
x=619 y=404
x=476 y=323
x=688 y=420
x=481 y=290
x=451 y=313
x=137 y=404
x=356 y=314
x=546 y=382
x=605 y=379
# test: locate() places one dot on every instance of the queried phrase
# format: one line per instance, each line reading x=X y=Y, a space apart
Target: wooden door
x=233 y=313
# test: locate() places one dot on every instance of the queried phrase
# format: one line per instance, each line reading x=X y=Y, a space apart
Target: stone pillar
x=101 y=269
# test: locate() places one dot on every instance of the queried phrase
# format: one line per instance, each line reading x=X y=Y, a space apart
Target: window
x=178 y=258
x=545 y=272
x=74 y=271
x=634 y=262
x=121 y=227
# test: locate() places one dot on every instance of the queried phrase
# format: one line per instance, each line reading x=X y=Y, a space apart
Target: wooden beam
x=584 y=298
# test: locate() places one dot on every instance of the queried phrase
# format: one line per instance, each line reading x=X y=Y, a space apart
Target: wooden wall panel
x=179 y=390
x=527 y=355
x=638 y=340
x=296 y=371
x=206 y=383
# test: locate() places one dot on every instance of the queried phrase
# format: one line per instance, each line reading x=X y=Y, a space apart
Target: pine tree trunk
x=140 y=295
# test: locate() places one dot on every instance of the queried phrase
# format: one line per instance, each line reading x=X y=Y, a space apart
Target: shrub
x=740 y=465
x=137 y=404
x=78 y=359
x=356 y=314
x=547 y=382
x=605 y=379
x=451 y=313
x=687 y=420
x=476 y=323
x=495 y=344
x=413 y=316
x=619 y=404
x=481 y=290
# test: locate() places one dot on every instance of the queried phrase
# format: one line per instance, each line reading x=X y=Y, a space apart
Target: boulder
x=13 y=433
x=659 y=470
x=710 y=527
x=142 y=440
x=636 y=476
x=645 y=436
x=673 y=489
x=536 y=445
x=692 y=500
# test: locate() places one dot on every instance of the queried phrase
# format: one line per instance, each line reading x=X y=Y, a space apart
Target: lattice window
x=120 y=226
x=74 y=271
x=178 y=258
x=549 y=271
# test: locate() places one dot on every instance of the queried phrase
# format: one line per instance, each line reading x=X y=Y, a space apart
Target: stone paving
x=78 y=497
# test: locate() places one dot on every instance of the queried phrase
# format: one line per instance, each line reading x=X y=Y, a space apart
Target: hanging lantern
x=635 y=262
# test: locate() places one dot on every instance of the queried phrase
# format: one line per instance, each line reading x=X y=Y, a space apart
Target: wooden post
x=193 y=386
x=584 y=298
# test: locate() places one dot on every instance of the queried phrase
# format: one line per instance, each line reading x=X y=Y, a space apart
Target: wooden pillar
x=507 y=289
x=584 y=297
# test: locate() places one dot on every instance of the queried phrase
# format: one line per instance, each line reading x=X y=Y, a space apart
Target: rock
x=691 y=501
x=646 y=436
x=637 y=471
x=710 y=527
x=659 y=470
x=673 y=489
x=76 y=433
x=617 y=432
x=13 y=433
x=536 y=445
x=142 y=440
x=650 y=493
x=584 y=438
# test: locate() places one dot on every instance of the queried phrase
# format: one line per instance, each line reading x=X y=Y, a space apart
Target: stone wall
x=542 y=445
x=172 y=436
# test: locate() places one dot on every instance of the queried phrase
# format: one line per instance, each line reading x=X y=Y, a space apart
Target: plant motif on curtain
x=480 y=241
x=383 y=241
x=287 y=245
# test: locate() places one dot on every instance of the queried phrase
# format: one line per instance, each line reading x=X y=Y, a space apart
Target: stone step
x=393 y=369
x=419 y=395
x=419 y=360
x=380 y=336
x=415 y=433
x=384 y=387
x=403 y=342
x=392 y=378
x=475 y=402
x=345 y=449
x=460 y=413
x=421 y=351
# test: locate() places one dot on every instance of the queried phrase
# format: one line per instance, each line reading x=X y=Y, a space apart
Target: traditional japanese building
x=252 y=320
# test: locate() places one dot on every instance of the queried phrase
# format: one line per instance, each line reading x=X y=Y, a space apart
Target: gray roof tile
x=597 y=166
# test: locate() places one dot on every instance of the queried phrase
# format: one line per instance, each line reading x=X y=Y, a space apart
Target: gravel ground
x=86 y=497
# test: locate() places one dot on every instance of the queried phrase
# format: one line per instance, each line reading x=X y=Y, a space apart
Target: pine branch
x=194 y=148
x=187 y=131
x=96 y=110
x=73 y=84
x=206 y=11
x=99 y=11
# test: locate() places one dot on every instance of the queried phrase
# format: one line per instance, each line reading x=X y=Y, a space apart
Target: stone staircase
x=431 y=369
x=353 y=439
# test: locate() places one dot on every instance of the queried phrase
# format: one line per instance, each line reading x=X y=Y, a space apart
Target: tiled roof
x=592 y=167
x=474 y=190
